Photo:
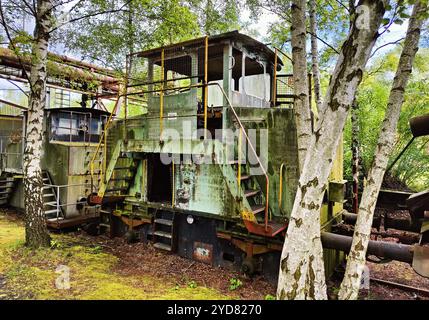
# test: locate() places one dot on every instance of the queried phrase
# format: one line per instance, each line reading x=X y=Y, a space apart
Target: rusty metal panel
x=203 y=252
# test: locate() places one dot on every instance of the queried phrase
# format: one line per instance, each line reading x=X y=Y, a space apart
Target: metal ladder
x=7 y=184
x=50 y=199
x=163 y=230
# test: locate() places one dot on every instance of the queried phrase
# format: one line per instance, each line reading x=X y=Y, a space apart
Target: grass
x=31 y=274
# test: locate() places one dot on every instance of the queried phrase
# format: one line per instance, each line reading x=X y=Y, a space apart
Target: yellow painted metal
x=206 y=58
x=161 y=96
x=275 y=78
x=249 y=216
x=102 y=142
x=239 y=159
x=105 y=153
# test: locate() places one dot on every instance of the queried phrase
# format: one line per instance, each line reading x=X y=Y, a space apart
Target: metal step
x=251 y=193
x=46 y=195
x=165 y=222
x=257 y=209
x=51 y=203
x=245 y=177
x=162 y=246
x=51 y=211
x=121 y=179
x=163 y=234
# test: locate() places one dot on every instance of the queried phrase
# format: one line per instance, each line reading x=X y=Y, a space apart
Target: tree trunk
x=355 y=156
x=36 y=232
x=300 y=78
x=297 y=274
x=315 y=55
x=356 y=258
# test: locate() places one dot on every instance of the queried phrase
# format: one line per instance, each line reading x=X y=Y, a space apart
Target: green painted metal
x=110 y=168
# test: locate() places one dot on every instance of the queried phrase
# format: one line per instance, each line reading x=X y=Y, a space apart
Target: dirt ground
x=104 y=268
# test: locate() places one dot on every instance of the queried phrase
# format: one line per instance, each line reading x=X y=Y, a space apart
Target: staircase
x=7 y=184
x=50 y=198
x=163 y=230
x=98 y=163
x=119 y=174
x=255 y=214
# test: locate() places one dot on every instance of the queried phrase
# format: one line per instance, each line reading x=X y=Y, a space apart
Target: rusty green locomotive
x=204 y=161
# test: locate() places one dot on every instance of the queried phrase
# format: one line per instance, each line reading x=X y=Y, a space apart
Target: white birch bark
x=36 y=232
x=300 y=78
x=357 y=257
x=296 y=275
x=315 y=55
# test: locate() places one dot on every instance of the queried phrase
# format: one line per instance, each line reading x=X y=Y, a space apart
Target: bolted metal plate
x=421 y=260
x=203 y=252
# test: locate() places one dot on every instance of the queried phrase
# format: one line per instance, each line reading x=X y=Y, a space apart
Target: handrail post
x=275 y=78
x=266 y=202
x=58 y=201
x=239 y=159
x=173 y=184
x=161 y=96
x=206 y=56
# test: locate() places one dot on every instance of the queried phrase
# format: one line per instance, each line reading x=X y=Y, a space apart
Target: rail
x=103 y=141
x=229 y=105
x=58 y=205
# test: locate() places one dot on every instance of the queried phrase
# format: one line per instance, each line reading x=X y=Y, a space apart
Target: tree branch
x=385 y=45
x=6 y=28
x=90 y=15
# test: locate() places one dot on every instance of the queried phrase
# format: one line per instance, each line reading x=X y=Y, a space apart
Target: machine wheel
x=248 y=266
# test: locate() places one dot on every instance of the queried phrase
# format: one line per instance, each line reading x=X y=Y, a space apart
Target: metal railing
x=58 y=205
x=103 y=141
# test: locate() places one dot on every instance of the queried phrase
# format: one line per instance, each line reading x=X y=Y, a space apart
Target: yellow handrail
x=103 y=138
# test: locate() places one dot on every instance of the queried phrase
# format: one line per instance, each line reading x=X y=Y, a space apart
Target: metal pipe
x=390 y=250
x=351 y=218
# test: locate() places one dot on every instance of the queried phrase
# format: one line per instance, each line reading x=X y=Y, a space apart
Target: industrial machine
x=204 y=162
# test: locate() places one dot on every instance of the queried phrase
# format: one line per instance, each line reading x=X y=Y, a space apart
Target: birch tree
x=297 y=268
x=357 y=257
x=36 y=233
x=47 y=16
x=315 y=55
x=300 y=78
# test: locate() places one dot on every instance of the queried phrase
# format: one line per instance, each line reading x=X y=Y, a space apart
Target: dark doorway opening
x=159 y=179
